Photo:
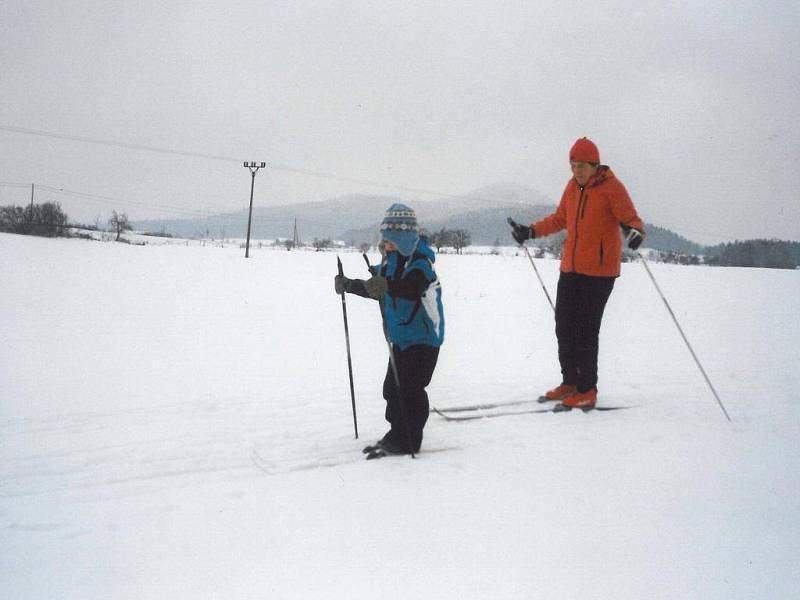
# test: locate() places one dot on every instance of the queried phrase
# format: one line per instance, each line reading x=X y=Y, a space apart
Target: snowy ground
x=175 y=422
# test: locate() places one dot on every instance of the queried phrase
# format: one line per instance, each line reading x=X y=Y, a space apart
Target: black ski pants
x=580 y=303
x=415 y=366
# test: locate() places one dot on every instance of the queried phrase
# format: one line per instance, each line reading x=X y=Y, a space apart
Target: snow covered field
x=175 y=422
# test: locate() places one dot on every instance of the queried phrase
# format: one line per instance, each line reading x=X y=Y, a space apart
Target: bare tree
x=120 y=223
x=321 y=244
x=440 y=238
x=460 y=239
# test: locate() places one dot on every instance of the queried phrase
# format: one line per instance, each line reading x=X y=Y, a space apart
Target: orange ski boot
x=585 y=400
x=558 y=394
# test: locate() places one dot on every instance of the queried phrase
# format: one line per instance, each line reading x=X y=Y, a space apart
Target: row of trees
x=46 y=219
x=753 y=253
x=773 y=254
x=49 y=220
x=770 y=254
x=458 y=239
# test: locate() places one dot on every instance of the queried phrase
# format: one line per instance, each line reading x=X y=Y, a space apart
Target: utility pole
x=30 y=216
x=296 y=237
x=254 y=167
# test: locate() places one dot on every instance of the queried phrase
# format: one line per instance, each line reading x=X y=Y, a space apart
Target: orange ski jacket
x=592 y=216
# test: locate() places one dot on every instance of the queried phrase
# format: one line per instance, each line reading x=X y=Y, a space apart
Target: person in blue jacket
x=406 y=285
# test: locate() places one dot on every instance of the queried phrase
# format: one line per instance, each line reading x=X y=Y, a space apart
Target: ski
x=380 y=452
x=371 y=448
x=303 y=463
x=562 y=408
x=507 y=413
x=486 y=415
x=487 y=405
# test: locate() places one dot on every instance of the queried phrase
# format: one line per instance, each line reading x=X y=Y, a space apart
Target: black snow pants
x=580 y=303
x=415 y=366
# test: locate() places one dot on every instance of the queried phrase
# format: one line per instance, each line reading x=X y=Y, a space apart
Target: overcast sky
x=695 y=105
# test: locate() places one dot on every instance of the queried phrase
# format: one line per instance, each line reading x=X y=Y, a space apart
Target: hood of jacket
x=603 y=174
x=424 y=248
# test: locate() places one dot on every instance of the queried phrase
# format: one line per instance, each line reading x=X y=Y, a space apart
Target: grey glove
x=341 y=283
x=633 y=236
x=376 y=286
x=521 y=232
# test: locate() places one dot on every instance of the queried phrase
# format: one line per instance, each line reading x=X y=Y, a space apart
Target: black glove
x=633 y=236
x=376 y=286
x=341 y=283
x=521 y=232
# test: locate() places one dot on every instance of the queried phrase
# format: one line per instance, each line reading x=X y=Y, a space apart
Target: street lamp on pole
x=254 y=167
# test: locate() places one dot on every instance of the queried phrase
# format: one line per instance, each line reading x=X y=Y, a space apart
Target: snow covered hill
x=175 y=422
x=348 y=215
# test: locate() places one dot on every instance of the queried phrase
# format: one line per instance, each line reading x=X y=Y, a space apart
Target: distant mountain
x=355 y=218
x=332 y=218
x=485 y=225
x=314 y=220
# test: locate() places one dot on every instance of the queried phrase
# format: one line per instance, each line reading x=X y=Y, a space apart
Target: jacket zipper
x=577 y=218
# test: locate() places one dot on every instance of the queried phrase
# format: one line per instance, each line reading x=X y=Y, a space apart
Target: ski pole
x=683 y=335
x=533 y=264
x=349 y=359
x=393 y=364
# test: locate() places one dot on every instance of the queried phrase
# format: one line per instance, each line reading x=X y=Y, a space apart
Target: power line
x=118 y=144
x=186 y=212
x=217 y=157
x=113 y=201
x=204 y=214
x=275 y=166
x=18 y=185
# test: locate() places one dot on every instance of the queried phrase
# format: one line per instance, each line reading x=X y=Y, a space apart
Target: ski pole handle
x=369 y=266
x=514 y=226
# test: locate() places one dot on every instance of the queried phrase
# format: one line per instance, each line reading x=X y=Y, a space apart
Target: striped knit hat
x=399 y=226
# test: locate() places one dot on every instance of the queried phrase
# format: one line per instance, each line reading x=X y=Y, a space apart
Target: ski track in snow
x=112 y=449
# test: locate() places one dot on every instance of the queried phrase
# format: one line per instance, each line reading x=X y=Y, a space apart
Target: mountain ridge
x=355 y=219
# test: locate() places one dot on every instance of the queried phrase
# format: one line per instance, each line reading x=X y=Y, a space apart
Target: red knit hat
x=584 y=150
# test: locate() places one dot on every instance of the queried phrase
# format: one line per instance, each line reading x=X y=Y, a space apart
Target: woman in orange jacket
x=593 y=207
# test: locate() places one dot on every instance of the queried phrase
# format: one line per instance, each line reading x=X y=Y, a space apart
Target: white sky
x=693 y=104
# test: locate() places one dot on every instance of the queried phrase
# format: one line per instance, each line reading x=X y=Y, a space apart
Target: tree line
x=49 y=220
x=771 y=254
x=766 y=254
x=458 y=239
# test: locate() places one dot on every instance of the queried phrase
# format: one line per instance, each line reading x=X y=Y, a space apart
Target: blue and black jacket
x=412 y=307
